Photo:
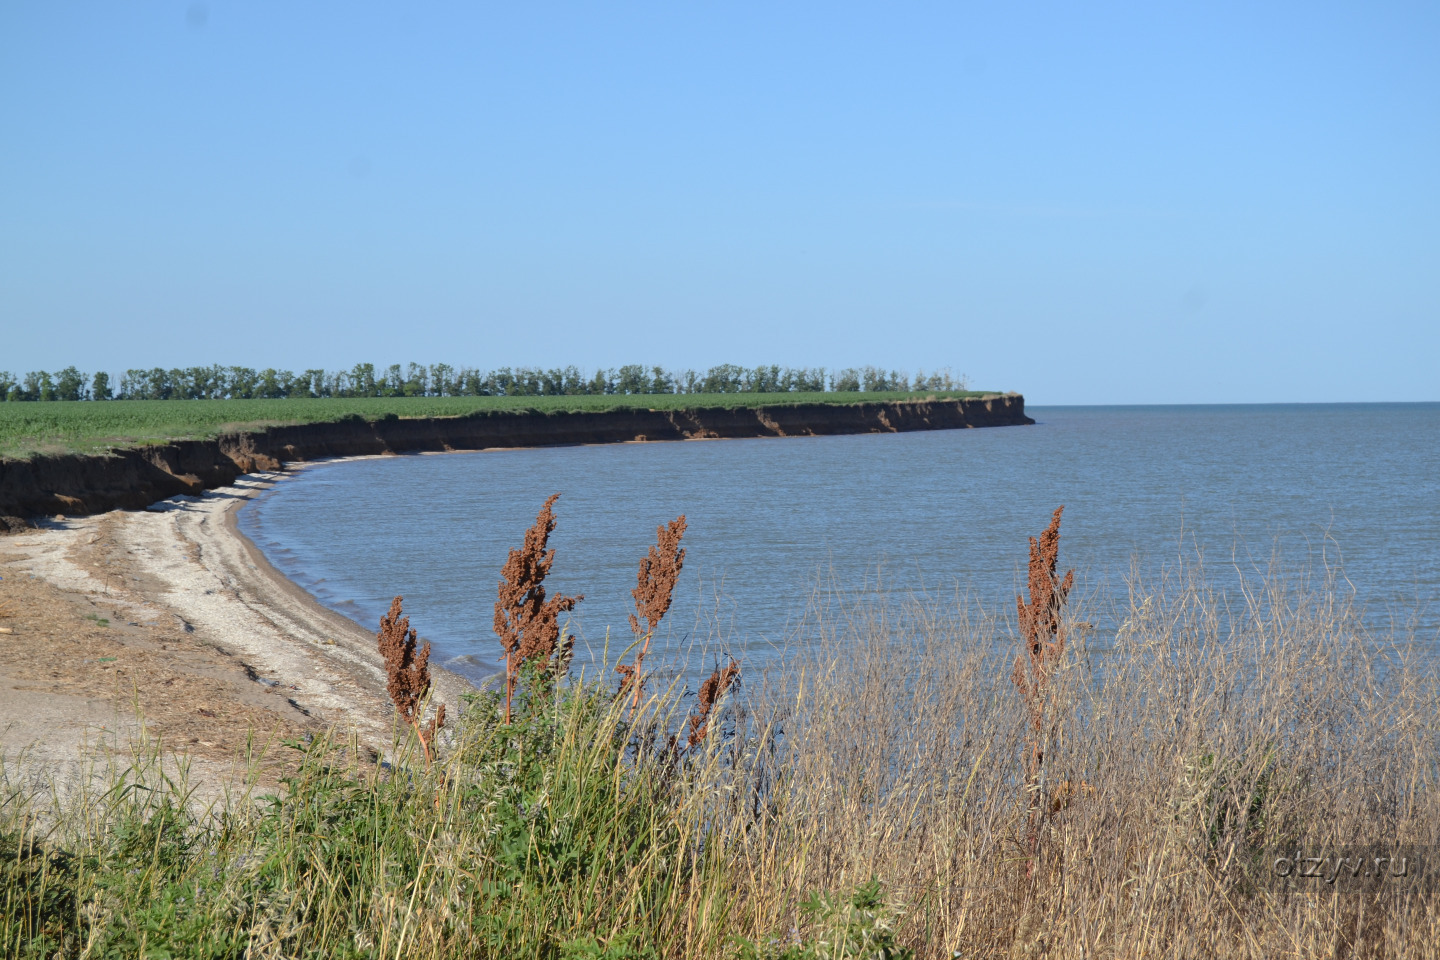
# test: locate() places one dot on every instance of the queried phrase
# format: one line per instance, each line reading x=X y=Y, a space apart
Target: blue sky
x=1088 y=203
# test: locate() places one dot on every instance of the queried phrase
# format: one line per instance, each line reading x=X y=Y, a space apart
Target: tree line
x=442 y=380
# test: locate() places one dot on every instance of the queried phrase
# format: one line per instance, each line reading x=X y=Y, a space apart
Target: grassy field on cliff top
x=89 y=426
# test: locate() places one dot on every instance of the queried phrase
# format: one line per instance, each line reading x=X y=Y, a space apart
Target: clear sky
x=1154 y=202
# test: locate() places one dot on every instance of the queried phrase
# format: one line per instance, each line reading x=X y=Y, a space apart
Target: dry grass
x=1042 y=633
x=528 y=624
x=712 y=690
x=1206 y=734
x=407 y=676
x=654 y=587
x=889 y=757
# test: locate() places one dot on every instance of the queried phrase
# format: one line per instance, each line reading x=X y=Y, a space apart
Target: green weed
x=855 y=927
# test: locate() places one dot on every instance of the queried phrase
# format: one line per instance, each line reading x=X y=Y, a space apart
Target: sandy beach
x=171 y=615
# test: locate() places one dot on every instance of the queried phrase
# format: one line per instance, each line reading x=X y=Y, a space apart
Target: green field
x=89 y=426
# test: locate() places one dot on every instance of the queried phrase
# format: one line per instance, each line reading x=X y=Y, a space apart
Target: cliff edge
x=75 y=484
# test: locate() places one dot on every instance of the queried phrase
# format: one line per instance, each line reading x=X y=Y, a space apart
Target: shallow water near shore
x=776 y=525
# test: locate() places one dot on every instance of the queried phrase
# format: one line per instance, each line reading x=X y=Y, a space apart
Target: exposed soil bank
x=76 y=484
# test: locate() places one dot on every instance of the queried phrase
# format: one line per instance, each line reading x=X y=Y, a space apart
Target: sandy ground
x=171 y=615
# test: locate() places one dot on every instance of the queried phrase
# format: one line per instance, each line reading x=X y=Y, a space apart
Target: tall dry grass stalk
x=527 y=623
x=407 y=673
x=1042 y=631
x=654 y=588
x=711 y=691
x=1216 y=726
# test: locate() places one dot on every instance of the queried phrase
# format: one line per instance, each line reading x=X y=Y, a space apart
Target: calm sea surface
x=769 y=519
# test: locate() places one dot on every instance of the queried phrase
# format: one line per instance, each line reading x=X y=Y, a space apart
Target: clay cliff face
x=132 y=479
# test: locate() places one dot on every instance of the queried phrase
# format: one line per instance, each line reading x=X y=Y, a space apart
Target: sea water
x=779 y=525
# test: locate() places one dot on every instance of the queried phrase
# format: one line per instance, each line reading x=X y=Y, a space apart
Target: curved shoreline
x=175 y=593
x=294 y=582
x=76 y=484
x=263 y=580
x=186 y=596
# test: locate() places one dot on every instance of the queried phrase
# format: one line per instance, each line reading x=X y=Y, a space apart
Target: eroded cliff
x=134 y=478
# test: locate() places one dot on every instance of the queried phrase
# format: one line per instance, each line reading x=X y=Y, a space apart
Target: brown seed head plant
x=408 y=675
x=711 y=691
x=528 y=624
x=654 y=588
x=1043 y=634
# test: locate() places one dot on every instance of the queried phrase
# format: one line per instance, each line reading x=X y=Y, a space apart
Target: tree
x=362 y=381
x=417 y=381
x=269 y=386
x=661 y=381
x=631 y=379
x=442 y=381
x=38 y=386
x=312 y=382
x=70 y=384
x=726 y=378
x=602 y=383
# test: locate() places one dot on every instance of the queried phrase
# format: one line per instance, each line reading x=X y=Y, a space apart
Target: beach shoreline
x=173 y=615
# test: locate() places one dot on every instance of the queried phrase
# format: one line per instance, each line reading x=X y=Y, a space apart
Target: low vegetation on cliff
x=906 y=786
x=28 y=428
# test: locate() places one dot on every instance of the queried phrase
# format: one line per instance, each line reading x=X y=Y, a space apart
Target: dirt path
x=171 y=614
